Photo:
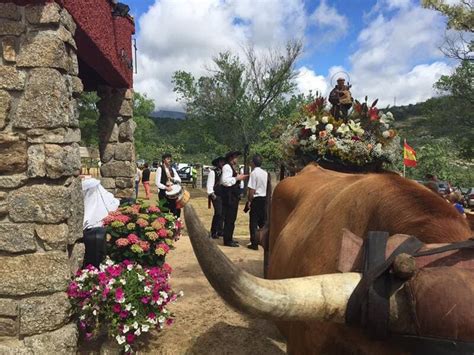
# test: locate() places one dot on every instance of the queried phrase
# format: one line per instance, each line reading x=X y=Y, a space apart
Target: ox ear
x=350 y=252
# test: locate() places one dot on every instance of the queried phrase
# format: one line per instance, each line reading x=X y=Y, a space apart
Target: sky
x=388 y=49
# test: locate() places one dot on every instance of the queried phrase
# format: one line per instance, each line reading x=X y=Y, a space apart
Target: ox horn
x=320 y=297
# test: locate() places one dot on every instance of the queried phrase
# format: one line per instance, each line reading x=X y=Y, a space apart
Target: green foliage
x=460 y=15
x=88 y=117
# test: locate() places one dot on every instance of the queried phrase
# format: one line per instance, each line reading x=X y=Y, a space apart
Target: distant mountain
x=169 y=114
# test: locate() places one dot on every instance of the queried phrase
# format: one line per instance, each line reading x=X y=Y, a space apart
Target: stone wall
x=41 y=207
x=116 y=142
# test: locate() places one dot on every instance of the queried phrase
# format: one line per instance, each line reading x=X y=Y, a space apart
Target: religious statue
x=341 y=99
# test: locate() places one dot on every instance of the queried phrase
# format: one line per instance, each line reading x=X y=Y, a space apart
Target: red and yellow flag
x=409 y=155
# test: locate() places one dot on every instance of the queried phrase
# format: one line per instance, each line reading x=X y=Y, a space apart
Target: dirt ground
x=204 y=323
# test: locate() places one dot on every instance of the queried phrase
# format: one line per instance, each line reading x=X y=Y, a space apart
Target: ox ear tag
x=350 y=252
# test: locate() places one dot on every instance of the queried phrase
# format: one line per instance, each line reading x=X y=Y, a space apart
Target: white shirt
x=258 y=182
x=226 y=178
x=98 y=202
x=138 y=175
x=158 y=183
x=211 y=181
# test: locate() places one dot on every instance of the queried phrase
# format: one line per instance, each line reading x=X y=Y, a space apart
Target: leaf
x=374 y=103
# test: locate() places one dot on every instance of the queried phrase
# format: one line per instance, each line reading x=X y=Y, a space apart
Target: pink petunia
x=151 y=315
x=145 y=300
x=130 y=338
x=132 y=238
x=123 y=314
x=119 y=295
x=116 y=308
x=105 y=292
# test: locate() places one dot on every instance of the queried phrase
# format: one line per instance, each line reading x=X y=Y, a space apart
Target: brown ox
x=309 y=212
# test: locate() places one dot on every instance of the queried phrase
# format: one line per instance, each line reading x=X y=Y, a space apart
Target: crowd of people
x=453 y=197
x=224 y=192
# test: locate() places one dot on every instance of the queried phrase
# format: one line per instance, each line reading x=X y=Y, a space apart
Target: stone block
x=68 y=21
x=129 y=94
x=118 y=168
x=40 y=314
x=58 y=135
x=126 y=130
x=62 y=160
x=44 y=49
x=17 y=238
x=108 y=183
x=3 y=203
x=34 y=273
x=66 y=37
x=59 y=342
x=36 y=161
x=124 y=193
x=8 y=307
x=48 y=13
x=45 y=103
x=126 y=109
x=14 y=156
x=76 y=210
x=4 y=107
x=124 y=182
x=11 y=79
x=107 y=153
x=72 y=63
x=39 y=203
x=125 y=151
x=54 y=236
x=12 y=181
x=11 y=28
x=8 y=327
x=77 y=86
x=9 y=50
x=77 y=257
x=9 y=11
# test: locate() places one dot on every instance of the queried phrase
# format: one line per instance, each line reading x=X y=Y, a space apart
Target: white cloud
x=398 y=55
x=307 y=80
x=331 y=25
x=186 y=34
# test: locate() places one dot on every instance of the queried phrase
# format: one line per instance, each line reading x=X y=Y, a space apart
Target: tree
x=88 y=117
x=230 y=107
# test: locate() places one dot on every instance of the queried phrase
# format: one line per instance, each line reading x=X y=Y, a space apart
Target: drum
x=183 y=199
x=175 y=192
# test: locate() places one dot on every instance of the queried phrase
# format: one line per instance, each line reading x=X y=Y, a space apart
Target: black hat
x=232 y=154
x=216 y=161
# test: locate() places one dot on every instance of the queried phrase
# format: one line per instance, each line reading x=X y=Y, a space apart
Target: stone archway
x=41 y=207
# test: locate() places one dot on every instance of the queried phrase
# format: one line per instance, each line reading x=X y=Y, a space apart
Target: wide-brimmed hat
x=216 y=161
x=232 y=154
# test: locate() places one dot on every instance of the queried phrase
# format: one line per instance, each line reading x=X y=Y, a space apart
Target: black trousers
x=230 y=206
x=170 y=203
x=94 y=240
x=257 y=217
x=217 y=220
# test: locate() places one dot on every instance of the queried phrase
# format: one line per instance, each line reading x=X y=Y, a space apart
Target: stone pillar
x=116 y=143
x=41 y=207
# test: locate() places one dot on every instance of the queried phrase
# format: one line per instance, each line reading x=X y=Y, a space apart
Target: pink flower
x=132 y=238
x=119 y=296
x=116 y=308
x=130 y=338
x=153 y=209
x=103 y=279
x=114 y=270
x=123 y=314
x=162 y=220
x=144 y=245
x=151 y=315
x=162 y=233
x=142 y=223
x=169 y=321
x=122 y=242
x=145 y=300
x=105 y=292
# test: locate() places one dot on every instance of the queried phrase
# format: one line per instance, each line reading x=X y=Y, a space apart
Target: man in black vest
x=214 y=193
x=230 y=182
x=166 y=176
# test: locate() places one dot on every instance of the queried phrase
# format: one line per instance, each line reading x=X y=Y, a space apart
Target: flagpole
x=404 y=166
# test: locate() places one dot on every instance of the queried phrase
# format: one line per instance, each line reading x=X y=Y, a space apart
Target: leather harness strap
x=369 y=304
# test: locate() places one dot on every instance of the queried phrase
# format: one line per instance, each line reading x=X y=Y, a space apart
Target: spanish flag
x=409 y=155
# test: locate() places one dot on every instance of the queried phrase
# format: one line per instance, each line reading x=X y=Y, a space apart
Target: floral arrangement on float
x=141 y=233
x=362 y=141
x=126 y=298
x=127 y=295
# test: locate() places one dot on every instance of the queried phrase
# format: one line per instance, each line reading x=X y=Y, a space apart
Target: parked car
x=185 y=174
x=140 y=163
x=469 y=197
x=444 y=187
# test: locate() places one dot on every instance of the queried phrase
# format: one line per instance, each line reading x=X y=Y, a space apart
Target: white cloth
x=258 y=182
x=242 y=183
x=98 y=202
x=211 y=181
x=175 y=179
x=226 y=178
x=138 y=175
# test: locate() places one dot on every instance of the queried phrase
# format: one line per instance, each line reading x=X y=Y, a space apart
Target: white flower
x=161 y=319
x=137 y=332
x=128 y=307
x=386 y=134
x=128 y=348
x=109 y=262
x=329 y=127
x=180 y=293
x=303 y=142
x=325 y=119
x=123 y=282
x=164 y=295
x=147 y=289
x=343 y=129
x=129 y=267
x=311 y=124
x=134 y=312
x=94 y=312
x=120 y=339
x=82 y=317
x=140 y=277
x=313 y=137
x=135 y=325
x=356 y=128
x=145 y=328
x=126 y=328
x=390 y=116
